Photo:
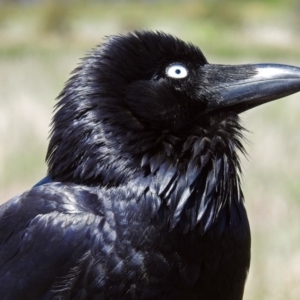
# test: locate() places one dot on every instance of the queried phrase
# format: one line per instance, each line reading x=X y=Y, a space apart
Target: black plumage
x=142 y=198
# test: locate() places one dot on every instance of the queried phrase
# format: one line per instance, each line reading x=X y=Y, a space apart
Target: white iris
x=177 y=71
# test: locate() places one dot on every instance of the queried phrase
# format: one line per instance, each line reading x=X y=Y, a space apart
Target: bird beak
x=246 y=86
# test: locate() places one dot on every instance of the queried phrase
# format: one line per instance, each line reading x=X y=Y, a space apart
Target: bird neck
x=194 y=176
x=197 y=181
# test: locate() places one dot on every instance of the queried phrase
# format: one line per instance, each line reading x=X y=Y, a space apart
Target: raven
x=142 y=198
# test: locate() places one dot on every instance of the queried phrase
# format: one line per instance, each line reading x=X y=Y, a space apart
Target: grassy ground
x=40 y=45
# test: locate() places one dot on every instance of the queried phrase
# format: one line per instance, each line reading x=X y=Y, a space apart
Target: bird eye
x=177 y=71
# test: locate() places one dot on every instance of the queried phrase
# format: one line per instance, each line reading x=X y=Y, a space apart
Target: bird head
x=148 y=94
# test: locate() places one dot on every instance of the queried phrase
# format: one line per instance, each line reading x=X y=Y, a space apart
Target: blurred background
x=41 y=43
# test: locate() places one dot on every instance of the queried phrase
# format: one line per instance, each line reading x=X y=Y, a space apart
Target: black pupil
x=177 y=71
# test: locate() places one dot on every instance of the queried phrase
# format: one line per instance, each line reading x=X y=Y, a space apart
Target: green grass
x=227 y=28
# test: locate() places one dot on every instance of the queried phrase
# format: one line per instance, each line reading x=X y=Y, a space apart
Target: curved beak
x=246 y=86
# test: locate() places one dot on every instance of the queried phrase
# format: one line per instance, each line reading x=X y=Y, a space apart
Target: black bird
x=142 y=198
